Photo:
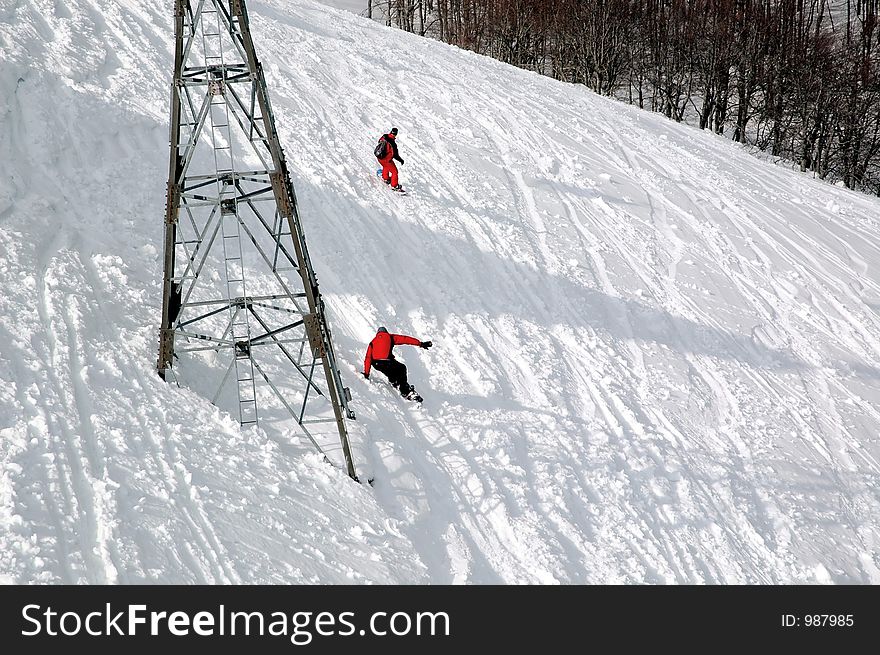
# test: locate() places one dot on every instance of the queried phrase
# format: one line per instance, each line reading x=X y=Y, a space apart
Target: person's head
x=393 y=132
x=381 y=329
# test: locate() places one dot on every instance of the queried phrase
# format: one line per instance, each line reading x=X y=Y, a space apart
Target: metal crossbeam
x=238 y=281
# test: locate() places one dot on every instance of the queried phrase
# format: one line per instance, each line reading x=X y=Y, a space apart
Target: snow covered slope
x=655 y=357
x=357 y=6
x=107 y=474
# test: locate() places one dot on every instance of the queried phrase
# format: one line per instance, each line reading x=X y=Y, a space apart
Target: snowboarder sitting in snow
x=386 y=153
x=379 y=355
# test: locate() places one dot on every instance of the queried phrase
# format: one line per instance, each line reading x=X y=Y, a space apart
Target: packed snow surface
x=655 y=357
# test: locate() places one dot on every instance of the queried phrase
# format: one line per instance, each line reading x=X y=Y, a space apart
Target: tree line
x=796 y=78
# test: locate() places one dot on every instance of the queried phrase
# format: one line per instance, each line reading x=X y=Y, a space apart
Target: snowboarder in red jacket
x=389 y=169
x=379 y=355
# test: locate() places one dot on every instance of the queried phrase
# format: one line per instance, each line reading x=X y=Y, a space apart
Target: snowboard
x=413 y=396
x=400 y=191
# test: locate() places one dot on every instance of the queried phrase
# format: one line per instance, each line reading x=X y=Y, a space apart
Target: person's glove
x=426 y=344
x=401 y=161
x=366 y=375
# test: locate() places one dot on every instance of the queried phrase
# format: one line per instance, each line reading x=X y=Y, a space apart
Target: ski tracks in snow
x=631 y=353
x=84 y=457
x=654 y=361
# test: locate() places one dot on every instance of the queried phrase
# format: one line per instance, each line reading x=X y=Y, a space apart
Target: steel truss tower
x=239 y=289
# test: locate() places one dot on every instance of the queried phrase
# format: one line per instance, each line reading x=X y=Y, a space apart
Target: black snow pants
x=395 y=372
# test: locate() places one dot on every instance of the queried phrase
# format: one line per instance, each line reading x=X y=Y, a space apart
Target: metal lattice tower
x=238 y=285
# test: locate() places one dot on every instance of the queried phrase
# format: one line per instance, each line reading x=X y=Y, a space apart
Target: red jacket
x=382 y=344
x=392 y=153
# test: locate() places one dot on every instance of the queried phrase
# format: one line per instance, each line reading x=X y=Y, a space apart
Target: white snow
x=655 y=356
x=357 y=6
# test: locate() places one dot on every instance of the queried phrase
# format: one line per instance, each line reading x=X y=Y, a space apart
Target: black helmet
x=381 y=329
x=394 y=131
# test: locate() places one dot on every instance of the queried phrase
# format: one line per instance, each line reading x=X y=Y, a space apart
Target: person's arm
x=396 y=155
x=368 y=360
x=404 y=340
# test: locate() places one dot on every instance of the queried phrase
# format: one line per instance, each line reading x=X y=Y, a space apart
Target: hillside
x=655 y=356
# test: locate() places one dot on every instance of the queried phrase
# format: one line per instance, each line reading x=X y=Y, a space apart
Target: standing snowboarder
x=379 y=355
x=386 y=153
